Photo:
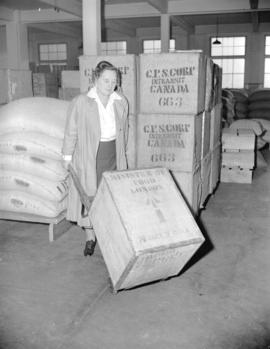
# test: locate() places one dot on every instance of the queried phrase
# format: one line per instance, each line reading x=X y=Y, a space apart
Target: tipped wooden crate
x=172 y=83
x=147 y=232
x=172 y=141
x=127 y=66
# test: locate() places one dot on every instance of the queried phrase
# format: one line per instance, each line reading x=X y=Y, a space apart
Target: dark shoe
x=89 y=247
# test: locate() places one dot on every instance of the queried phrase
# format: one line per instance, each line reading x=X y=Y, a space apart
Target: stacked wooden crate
x=215 y=128
x=70 y=84
x=173 y=123
x=45 y=85
x=15 y=84
x=238 y=155
x=126 y=65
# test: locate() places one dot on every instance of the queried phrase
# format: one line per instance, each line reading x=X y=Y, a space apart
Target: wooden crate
x=45 y=85
x=190 y=185
x=240 y=139
x=215 y=167
x=215 y=125
x=243 y=159
x=131 y=146
x=209 y=85
x=236 y=175
x=206 y=129
x=172 y=82
x=15 y=84
x=70 y=79
x=126 y=64
x=205 y=178
x=68 y=93
x=147 y=232
x=172 y=141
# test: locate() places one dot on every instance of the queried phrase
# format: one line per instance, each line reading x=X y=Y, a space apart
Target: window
x=230 y=55
x=52 y=53
x=154 y=46
x=113 y=48
x=267 y=62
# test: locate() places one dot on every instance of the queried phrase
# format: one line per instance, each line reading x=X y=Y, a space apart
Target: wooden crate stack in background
x=15 y=84
x=45 y=85
x=238 y=155
x=173 y=123
x=128 y=84
x=70 y=84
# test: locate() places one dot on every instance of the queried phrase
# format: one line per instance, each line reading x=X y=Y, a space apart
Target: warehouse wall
x=3 y=47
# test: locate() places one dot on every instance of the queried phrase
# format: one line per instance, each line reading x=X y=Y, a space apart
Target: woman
x=95 y=141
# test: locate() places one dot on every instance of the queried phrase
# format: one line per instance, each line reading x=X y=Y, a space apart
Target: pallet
x=57 y=225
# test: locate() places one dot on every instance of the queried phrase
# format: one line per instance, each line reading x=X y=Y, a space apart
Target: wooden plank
x=54 y=228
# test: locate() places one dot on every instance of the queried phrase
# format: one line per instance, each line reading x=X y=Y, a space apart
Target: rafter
x=160 y=5
x=118 y=26
x=6 y=14
x=70 y=6
x=180 y=22
x=59 y=28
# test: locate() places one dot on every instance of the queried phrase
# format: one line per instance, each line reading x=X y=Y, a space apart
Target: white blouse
x=106 y=115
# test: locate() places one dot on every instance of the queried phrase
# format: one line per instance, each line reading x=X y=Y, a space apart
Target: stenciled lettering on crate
x=172 y=141
x=172 y=82
x=144 y=227
x=127 y=67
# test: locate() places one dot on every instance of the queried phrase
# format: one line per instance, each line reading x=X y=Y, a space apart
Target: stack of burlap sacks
x=32 y=178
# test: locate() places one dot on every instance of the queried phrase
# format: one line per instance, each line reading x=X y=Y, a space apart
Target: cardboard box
x=144 y=227
x=172 y=83
x=236 y=175
x=238 y=139
x=171 y=141
x=127 y=66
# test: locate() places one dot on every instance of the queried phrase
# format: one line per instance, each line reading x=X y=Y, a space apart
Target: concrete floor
x=53 y=297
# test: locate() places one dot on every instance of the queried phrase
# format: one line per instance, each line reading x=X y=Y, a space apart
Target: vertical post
x=165 y=32
x=91 y=27
x=17 y=44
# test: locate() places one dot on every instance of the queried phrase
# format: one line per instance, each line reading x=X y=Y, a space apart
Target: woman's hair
x=101 y=67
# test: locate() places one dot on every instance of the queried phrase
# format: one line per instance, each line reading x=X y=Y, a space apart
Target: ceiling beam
x=182 y=23
x=253 y=4
x=73 y=7
x=119 y=27
x=6 y=14
x=255 y=20
x=160 y=5
x=59 y=28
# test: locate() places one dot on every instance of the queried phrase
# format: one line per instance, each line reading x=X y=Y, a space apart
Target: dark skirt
x=106 y=158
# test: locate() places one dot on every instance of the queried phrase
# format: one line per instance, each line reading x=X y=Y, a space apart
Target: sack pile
x=259 y=104
x=228 y=107
x=241 y=103
x=32 y=178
